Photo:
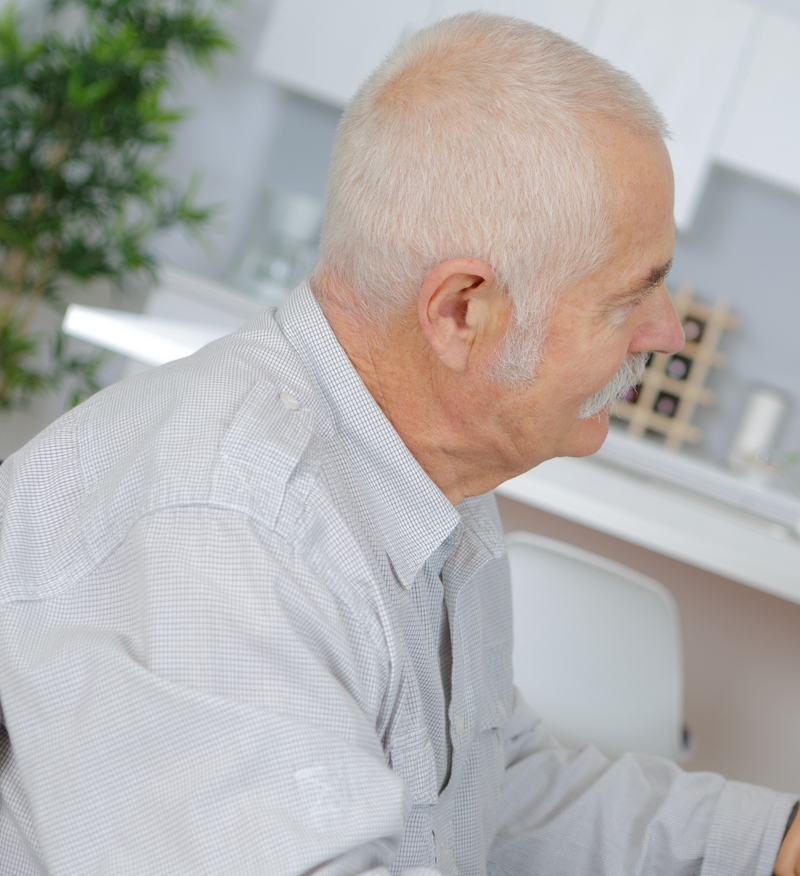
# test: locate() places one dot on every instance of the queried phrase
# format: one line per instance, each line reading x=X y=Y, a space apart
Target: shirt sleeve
x=570 y=812
x=199 y=705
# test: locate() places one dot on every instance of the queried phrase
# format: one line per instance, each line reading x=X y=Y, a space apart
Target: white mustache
x=629 y=375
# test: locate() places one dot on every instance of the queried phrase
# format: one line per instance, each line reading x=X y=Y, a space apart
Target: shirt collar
x=412 y=514
x=480 y=516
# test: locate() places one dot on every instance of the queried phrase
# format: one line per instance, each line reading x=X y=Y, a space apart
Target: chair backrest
x=597 y=648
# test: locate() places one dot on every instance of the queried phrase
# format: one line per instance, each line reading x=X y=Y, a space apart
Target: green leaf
x=19 y=381
x=84 y=121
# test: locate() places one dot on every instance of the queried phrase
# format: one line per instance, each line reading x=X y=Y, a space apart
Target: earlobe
x=452 y=309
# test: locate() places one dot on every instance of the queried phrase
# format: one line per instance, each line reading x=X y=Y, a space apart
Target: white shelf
x=145 y=339
x=184 y=312
x=668 y=519
x=701 y=477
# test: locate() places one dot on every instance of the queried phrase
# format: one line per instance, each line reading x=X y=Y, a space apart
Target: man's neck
x=421 y=400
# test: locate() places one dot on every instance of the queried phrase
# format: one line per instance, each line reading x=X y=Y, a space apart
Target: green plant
x=83 y=125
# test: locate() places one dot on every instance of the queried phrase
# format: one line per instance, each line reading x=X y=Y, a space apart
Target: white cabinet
x=567 y=17
x=685 y=54
x=764 y=133
x=326 y=49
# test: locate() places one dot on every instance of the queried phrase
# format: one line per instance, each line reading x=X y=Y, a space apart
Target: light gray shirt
x=242 y=632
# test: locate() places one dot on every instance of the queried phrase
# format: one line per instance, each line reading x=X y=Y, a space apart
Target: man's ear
x=460 y=307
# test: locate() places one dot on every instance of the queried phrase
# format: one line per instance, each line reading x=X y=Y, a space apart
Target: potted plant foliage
x=83 y=123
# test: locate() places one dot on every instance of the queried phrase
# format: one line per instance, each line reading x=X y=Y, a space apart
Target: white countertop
x=668 y=519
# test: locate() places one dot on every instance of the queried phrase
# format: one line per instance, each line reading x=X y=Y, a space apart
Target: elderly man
x=255 y=607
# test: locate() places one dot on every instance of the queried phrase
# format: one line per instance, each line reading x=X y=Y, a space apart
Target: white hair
x=474 y=139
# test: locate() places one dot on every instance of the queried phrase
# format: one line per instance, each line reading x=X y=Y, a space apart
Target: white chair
x=597 y=649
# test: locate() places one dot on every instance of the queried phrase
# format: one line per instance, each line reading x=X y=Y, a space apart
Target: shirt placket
x=464 y=610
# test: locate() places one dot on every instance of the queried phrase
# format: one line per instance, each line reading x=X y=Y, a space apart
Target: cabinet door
x=568 y=17
x=685 y=54
x=764 y=133
x=326 y=49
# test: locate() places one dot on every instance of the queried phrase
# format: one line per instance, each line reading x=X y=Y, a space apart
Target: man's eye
x=621 y=313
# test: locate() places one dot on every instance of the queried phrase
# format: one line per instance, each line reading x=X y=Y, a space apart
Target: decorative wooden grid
x=674 y=385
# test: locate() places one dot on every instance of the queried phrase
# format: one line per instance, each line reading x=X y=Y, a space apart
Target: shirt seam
x=98 y=558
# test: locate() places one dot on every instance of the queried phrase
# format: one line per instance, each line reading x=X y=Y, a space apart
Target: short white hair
x=474 y=139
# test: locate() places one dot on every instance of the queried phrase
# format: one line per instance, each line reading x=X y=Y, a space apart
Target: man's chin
x=591 y=434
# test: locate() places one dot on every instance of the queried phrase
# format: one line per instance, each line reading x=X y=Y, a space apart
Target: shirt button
x=289 y=400
x=459 y=725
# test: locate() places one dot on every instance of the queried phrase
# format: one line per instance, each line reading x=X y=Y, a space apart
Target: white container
x=762 y=419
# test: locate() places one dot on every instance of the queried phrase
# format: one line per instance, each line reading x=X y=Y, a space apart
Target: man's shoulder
x=237 y=399
x=232 y=426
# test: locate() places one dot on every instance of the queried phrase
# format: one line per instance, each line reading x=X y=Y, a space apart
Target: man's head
x=498 y=229
x=477 y=139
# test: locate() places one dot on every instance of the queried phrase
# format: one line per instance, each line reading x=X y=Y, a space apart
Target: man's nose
x=662 y=331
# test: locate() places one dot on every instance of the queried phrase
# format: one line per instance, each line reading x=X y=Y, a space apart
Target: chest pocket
x=411 y=756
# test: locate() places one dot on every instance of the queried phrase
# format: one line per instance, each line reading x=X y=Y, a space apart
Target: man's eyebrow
x=651 y=281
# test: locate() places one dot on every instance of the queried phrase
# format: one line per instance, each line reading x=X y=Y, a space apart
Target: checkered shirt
x=242 y=632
